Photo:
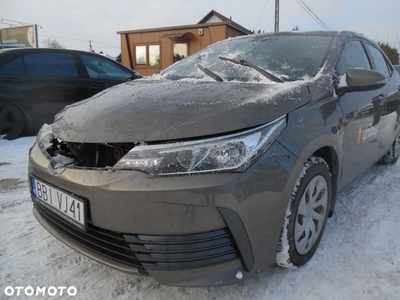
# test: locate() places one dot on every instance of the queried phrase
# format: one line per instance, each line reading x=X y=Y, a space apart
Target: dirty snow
x=342 y=81
x=358 y=258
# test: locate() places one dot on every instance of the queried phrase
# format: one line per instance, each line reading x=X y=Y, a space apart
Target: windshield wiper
x=246 y=63
x=210 y=73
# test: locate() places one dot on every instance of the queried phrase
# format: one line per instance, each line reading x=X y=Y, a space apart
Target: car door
x=363 y=122
x=51 y=82
x=12 y=70
x=103 y=73
x=388 y=96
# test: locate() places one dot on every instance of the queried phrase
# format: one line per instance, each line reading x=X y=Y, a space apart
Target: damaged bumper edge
x=153 y=212
x=85 y=251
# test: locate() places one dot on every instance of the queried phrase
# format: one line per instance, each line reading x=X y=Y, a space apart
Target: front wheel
x=306 y=214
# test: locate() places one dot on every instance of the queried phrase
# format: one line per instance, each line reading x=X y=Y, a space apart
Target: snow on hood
x=148 y=110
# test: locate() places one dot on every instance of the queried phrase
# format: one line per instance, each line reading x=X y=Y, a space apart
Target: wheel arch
x=331 y=158
x=27 y=116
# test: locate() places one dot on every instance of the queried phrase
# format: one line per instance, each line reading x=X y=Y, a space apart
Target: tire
x=306 y=215
x=392 y=156
x=12 y=121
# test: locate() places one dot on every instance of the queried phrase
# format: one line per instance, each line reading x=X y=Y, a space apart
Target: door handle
x=393 y=96
x=13 y=79
x=98 y=84
x=382 y=99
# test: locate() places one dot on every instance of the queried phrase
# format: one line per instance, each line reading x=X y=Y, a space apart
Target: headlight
x=233 y=153
x=44 y=137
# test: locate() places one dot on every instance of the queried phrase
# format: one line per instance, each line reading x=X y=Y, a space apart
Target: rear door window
x=101 y=68
x=51 y=64
x=14 y=67
x=381 y=64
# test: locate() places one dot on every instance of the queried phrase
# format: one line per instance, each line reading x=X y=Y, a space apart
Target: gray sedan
x=226 y=162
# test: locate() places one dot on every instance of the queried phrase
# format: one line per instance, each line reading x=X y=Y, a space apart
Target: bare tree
x=53 y=44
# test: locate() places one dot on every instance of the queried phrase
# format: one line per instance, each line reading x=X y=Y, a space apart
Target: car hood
x=148 y=110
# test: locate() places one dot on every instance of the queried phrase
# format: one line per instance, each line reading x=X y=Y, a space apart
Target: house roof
x=211 y=19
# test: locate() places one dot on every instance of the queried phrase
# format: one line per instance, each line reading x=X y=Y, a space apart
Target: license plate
x=69 y=208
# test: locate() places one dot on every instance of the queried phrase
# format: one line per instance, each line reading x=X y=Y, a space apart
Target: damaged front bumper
x=198 y=230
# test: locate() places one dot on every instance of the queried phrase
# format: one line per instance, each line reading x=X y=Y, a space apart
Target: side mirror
x=359 y=80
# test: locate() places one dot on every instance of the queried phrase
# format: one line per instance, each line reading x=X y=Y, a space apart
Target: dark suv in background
x=35 y=84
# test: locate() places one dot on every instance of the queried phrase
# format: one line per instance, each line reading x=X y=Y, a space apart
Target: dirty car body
x=187 y=176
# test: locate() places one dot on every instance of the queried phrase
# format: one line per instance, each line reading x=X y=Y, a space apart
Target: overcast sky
x=99 y=20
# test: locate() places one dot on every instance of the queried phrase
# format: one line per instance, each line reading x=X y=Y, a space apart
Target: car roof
x=342 y=35
x=28 y=50
x=9 y=46
x=6 y=49
x=33 y=50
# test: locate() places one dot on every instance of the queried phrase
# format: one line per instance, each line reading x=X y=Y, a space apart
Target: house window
x=141 y=55
x=180 y=51
x=147 y=55
x=154 y=55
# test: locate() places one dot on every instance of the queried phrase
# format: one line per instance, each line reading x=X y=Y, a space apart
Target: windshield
x=255 y=58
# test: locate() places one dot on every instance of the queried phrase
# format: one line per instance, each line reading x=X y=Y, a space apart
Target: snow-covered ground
x=358 y=258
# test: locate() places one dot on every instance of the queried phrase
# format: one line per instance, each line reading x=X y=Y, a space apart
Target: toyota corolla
x=226 y=162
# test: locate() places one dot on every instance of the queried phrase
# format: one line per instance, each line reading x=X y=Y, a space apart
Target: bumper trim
x=240 y=235
x=179 y=252
x=85 y=251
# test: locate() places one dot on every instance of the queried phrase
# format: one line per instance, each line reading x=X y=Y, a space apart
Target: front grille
x=151 y=252
x=180 y=252
x=88 y=155
x=104 y=242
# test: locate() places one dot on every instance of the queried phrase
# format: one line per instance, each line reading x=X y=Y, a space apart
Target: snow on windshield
x=289 y=58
